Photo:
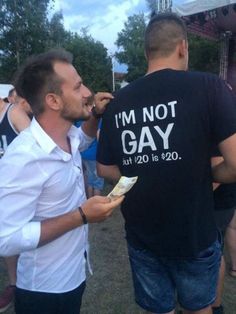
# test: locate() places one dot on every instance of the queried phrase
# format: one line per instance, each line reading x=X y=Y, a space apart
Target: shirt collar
x=43 y=139
x=47 y=143
x=73 y=132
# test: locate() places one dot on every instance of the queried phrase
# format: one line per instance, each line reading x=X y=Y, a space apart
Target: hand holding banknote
x=122 y=187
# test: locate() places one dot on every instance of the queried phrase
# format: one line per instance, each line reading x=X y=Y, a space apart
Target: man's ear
x=183 y=48
x=53 y=101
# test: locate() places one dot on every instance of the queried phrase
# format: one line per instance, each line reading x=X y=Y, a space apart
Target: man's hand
x=98 y=208
x=101 y=99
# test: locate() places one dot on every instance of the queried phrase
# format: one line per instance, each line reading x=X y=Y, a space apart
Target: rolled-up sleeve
x=22 y=240
x=20 y=186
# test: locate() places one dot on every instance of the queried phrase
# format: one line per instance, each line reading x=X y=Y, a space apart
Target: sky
x=102 y=18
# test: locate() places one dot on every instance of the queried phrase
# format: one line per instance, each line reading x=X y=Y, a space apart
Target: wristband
x=95 y=114
x=83 y=216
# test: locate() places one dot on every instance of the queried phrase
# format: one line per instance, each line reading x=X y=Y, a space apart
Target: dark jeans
x=31 y=302
x=157 y=279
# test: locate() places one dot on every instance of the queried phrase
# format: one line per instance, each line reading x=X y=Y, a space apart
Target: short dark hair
x=37 y=78
x=11 y=91
x=163 y=33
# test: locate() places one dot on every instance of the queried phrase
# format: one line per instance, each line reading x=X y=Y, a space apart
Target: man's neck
x=57 y=128
x=162 y=64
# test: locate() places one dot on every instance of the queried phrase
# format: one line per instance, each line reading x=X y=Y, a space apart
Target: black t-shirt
x=160 y=128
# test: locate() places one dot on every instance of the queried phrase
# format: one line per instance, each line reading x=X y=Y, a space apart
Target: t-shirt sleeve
x=85 y=140
x=105 y=149
x=223 y=110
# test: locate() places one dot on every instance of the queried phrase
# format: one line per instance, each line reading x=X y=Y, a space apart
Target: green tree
x=23 y=31
x=131 y=44
x=203 y=54
x=91 y=61
x=152 y=5
x=57 y=31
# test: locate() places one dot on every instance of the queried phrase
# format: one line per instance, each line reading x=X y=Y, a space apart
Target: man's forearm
x=110 y=173
x=55 y=227
x=222 y=173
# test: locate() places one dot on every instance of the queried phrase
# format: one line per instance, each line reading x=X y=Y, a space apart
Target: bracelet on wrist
x=83 y=216
x=95 y=114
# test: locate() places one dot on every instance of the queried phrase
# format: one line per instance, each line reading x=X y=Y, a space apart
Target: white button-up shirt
x=38 y=180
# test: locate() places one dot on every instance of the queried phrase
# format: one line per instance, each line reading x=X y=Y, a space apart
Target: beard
x=73 y=116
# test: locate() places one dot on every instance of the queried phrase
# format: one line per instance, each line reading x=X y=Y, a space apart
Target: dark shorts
x=158 y=280
x=32 y=302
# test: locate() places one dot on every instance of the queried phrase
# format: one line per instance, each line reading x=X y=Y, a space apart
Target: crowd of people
x=173 y=128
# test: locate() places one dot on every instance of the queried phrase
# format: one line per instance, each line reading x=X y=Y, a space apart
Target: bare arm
x=96 y=209
x=215 y=161
x=101 y=100
x=19 y=118
x=111 y=173
x=225 y=171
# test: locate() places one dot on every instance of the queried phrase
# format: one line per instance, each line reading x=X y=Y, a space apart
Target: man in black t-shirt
x=225 y=204
x=161 y=128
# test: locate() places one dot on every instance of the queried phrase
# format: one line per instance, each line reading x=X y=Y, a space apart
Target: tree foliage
x=131 y=44
x=92 y=61
x=25 y=29
x=203 y=54
x=152 y=5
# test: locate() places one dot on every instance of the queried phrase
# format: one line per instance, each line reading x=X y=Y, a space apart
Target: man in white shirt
x=44 y=211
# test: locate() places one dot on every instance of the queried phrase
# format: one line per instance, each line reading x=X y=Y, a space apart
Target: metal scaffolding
x=224 y=54
x=163 y=5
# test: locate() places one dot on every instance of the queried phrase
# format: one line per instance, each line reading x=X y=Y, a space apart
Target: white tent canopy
x=4 y=89
x=188 y=7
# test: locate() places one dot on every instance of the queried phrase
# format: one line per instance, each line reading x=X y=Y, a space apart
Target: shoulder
x=204 y=77
x=18 y=117
x=23 y=156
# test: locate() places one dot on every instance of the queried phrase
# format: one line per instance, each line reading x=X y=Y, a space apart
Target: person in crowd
x=93 y=183
x=12 y=96
x=161 y=128
x=44 y=211
x=225 y=204
x=230 y=240
x=14 y=117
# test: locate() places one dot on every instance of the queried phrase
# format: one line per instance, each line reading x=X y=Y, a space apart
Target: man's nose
x=86 y=92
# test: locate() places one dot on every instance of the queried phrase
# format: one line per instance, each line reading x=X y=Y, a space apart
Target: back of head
x=23 y=104
x=162 y=35
x=12 y=96
x=37 y=78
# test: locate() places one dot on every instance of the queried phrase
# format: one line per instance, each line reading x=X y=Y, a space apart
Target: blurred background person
x=15 y=116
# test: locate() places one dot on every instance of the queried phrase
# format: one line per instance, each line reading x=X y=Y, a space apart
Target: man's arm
x=96 y=209
x=225 y=172
x=111 y=173
x=216 y=161
x=101 y=100
x=19 y=193
x=19 y=118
